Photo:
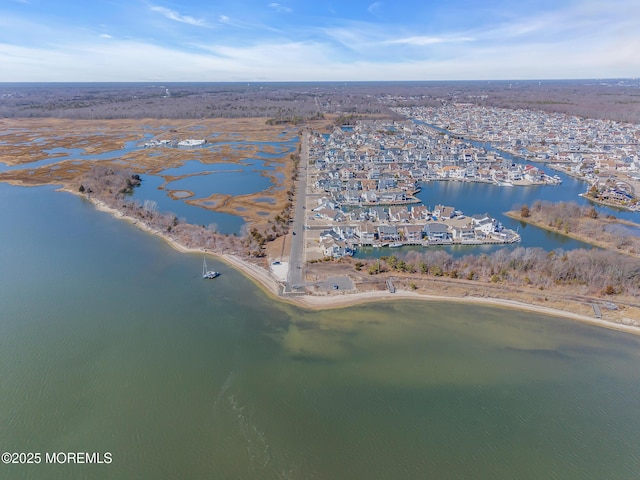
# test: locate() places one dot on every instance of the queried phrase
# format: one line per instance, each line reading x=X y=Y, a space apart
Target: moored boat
x=208 y=273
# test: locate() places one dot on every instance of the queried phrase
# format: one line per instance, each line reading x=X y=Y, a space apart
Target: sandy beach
x=268 y=283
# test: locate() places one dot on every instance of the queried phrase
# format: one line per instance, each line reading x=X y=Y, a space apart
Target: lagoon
x=111 y=342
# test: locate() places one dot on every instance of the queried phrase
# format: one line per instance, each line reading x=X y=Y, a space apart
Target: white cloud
x=173 y=15
x=105 y=35
x=280 y=8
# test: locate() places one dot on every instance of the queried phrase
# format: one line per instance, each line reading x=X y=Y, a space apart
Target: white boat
x=395 y=245
x=208 y=273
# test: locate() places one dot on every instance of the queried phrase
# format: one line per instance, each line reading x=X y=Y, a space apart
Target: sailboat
x=208 y=273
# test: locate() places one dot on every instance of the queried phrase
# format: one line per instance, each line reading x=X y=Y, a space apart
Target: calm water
x=111 y=342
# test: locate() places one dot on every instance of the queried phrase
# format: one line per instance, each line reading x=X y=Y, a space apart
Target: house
x=366 y=232
x=331 y=234
x=369 y=197
x=374 y=174
x=412 y=233
x=437 y=232
x=399 y=214
x=419 y=212
x=387 y=233
x=378 y=214
x=391 y=197
x=464 y=233
x=351 y=196
x=324 y=202
x=330 y=214
x=333 y=186
x=345 y=232
x=335 y=248
x=386 y=183
x=443 y=213
x=484 y=225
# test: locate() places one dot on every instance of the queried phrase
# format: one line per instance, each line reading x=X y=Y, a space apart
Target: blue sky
x=317 y=40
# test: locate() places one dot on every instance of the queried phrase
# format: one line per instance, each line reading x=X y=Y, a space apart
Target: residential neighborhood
x=363 y=180
x=605 y=153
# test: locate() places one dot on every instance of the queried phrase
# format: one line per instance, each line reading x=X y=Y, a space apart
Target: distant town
x=605 y=153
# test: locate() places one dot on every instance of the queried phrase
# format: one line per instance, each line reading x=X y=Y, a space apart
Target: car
x=336 y=287
x=275 y=263
x=293 y=233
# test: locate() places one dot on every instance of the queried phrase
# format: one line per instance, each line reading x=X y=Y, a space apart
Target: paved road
x=295 y=278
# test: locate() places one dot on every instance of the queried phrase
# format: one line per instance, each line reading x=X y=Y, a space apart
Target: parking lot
x=343 y=283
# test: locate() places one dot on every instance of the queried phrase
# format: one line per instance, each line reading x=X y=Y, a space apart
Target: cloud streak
x=173 y=15
x=280 y=8
x=421 y=41
x=374 y=7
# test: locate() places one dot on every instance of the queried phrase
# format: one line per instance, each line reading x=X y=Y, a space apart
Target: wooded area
x=583 y=223
x=587 y=272
x=302 y=101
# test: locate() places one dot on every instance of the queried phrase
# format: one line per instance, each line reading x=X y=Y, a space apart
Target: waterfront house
x=412 y=233
x=388 y=233
x=437 y=232
x=393 y=197
x=366 y=233
x=483 y=224
x=463 y=233
x=335 y=248
x=442 y=212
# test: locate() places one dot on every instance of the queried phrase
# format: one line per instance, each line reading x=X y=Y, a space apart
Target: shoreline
x=272 y=287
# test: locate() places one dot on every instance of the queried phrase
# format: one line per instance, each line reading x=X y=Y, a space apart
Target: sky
x=317 y=40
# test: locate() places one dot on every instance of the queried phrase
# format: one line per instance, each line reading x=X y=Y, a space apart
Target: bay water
x=110 y=341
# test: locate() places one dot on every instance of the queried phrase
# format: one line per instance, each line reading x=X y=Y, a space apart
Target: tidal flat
x=59 y=151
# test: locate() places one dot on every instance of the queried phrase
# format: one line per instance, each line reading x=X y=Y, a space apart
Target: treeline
x=282 y=103
x=585 y=271
x=137 y=101
x=291 y=118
